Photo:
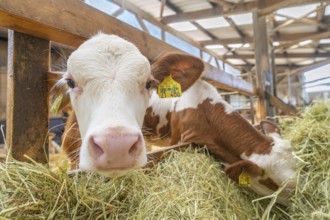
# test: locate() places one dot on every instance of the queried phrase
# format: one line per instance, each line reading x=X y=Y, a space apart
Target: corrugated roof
x=210 y=23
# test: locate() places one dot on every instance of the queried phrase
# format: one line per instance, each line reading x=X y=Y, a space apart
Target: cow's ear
x=268 y=127
x=59 y=95
x=185 y=69
x=236 y=169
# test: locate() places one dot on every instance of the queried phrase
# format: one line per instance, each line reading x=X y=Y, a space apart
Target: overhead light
x=325 y=41
x=305 y=42
x=216 y=46
x=294 y=46
x=276 y=43
x=246 y=45
x=235 y=45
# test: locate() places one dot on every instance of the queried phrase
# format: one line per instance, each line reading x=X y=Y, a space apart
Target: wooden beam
x=267 y=6
x=287 y=109
x=228 y=82
x=208 y=13
x=310 y=67
x=71 y=26
x=280 y=38
x=304 y=19
x=235 y=27
x=140 y=13
x=317 y=36
x=281 y=55
x=264 y=67
x=27 y=103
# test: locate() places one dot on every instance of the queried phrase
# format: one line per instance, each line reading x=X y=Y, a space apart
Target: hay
x=187 y=185
x=310 y=135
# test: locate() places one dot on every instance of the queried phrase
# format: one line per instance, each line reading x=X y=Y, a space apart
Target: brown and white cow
x=200 y=116
x=110 y=85
x=268 y=159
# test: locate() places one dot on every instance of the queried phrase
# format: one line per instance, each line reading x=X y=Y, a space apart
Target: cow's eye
x=148 y=84
x=71 y=83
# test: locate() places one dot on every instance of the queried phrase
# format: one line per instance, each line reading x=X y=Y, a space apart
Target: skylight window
x=325 y=41
x=183 y=26
x=235 y=45
x=242 y=19
x=297 y=12
x=213 y=23
x=102 y=5
x=327 y=10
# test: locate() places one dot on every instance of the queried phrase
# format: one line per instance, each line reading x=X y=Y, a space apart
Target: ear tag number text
x=244 y=180
x=169 y=88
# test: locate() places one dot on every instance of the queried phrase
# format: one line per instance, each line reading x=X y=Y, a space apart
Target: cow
x=202 y=117
x=199 y=116
x=109 y=83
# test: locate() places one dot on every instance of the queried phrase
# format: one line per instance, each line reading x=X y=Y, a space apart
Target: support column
x=264 y=67
x=27 y=97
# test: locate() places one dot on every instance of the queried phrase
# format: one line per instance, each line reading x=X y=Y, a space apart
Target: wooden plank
x=264 y=67
x=3 y=78
x=287 y=109
x=310 y=67
x=285 y=55
x=208 y=13
x=280 y=38
x=316 y=36
x=264 y=6
x=140 y=13
x=228 y=82
x=71 y=26
x=27 y=103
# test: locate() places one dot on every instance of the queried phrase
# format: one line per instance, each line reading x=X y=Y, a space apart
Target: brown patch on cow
x=185 y=69
x=234 y=170
x=165 y=131
x=150 y=123
x=227 y=136
x=71 y=140
x=269 y=183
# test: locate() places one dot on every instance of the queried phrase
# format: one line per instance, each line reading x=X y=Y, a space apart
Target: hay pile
x=310 y=135
x=186 y=185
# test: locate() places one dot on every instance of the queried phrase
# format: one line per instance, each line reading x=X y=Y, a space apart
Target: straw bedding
x=310 y=134
x=186 y=185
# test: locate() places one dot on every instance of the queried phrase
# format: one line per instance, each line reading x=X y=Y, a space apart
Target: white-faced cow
x=110 y=85
x=110 y=99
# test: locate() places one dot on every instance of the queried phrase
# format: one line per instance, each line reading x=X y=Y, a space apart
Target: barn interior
x=267 y=58
x=224 y=35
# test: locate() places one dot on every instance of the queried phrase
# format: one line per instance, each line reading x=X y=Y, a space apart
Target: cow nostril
x=133 y=150
x=96 y=150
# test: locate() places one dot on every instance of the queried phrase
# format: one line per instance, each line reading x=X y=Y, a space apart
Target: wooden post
x=289 y=87
x=27 y=98
x=264 y=68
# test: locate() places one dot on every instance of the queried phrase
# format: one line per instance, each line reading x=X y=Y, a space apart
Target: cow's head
x=110 y=84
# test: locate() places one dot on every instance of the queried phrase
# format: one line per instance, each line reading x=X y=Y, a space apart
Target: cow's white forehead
x=108 y=56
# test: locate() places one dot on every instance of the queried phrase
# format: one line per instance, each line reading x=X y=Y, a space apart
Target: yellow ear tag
x=56 y=104
x=169 y=88
x=244 y=180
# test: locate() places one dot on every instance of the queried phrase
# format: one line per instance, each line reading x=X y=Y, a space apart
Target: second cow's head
x=110 y=84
